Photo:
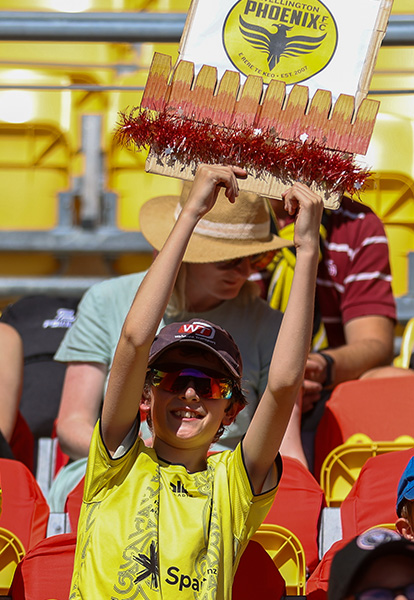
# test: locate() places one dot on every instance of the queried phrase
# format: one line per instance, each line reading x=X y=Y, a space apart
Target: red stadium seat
x=22 y=443
x=46 y=570
x=317 y=584
x=25 y=511
x=298 y=488
x=383 y=409
x=372 y=498
x=74 y=503
x=257 y=576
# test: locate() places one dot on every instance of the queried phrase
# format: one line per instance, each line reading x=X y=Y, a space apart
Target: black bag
x=42 y=321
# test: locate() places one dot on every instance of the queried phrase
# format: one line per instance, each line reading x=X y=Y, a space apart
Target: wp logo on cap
x=203 y=334
x=197 y=328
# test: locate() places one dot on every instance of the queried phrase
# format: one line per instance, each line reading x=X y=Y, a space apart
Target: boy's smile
x=183 y=419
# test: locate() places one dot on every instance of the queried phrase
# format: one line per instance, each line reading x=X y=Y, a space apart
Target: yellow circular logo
x=285 y=40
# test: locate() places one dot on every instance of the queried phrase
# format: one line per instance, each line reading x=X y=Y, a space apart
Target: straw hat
x=228 y=231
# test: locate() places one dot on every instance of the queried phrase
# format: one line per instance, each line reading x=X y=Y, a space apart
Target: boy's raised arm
x=264 y=436
x=130 y=361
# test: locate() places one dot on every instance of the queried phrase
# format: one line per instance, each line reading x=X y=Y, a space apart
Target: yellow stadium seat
x=403 y=7
x=34 y=149
x=342 y=466
x=407 y=345
x=390 y=190
x=287 y=553
x=35 y=159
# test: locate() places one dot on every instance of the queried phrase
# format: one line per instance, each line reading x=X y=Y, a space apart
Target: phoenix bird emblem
x=278 y=44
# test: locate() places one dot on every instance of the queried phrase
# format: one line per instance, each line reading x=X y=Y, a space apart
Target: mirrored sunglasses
x=205 y=386
x=386 y=593
x=258 y=262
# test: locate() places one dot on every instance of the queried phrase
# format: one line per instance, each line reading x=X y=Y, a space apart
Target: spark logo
x=197 y=328
x=285 y=40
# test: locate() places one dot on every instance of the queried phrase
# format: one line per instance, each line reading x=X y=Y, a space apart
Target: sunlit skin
x=404 y=525
x=184 y=422
x=391 y=572
x=208 y=285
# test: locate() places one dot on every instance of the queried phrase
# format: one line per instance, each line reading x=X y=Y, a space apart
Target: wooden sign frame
x=344 y=125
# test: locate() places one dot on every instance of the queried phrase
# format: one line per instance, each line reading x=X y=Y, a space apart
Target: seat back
x=257 y=576
x=287 y=553
x=343 y=465
x=46 y=570
x=22 y=443
x=372 y=498
x=403 y=360
x=25 y=511
x=298 y=488
x=382 y=409
x=74 y=503
x=11 y=553
x=317 y=584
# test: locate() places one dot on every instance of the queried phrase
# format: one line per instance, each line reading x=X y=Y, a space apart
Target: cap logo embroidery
x=197 y=328
x=374 y=537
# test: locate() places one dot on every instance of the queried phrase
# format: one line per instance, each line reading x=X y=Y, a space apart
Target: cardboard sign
x=287 y=73
x=330 y=45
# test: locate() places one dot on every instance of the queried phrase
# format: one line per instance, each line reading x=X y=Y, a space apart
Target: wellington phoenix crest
x=283 y=40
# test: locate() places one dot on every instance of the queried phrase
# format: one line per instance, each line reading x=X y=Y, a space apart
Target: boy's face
x=184 y=419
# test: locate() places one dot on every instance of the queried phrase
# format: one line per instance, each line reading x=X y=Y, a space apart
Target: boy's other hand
x=308 y=207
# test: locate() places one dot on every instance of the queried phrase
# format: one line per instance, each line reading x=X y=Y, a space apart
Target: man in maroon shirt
x=356 y=309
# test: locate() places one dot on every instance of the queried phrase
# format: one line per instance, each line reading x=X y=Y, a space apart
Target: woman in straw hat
x=228 y=245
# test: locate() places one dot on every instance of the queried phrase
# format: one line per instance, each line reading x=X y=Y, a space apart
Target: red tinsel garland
x=173 y=137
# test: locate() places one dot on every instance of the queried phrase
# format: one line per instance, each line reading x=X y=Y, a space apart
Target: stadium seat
x=257 y=576
x=23 y=519
x=390 y=189
x=11 y=553
x=407 y=345
x=74 y=503
x=287 y=553
x=317 y=584
x=382 y=409
x=371 y=501
x=25 y=511
x=46 y=570
x=299 y=488
x=343 y=465
x=22 y=443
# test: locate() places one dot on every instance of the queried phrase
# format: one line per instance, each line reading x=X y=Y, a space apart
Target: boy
x=166 y=521
x=376 y=565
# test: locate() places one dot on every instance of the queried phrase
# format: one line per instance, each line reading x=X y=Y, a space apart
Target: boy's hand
x=308 y=207
x=207 y=183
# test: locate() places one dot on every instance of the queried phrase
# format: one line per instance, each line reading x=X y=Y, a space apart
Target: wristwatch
x=330 y=365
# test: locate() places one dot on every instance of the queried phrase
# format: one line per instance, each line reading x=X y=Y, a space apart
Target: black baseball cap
x=199 y=333
x=354 y=558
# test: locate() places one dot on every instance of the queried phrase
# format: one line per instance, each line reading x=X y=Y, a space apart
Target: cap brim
x=157 y=219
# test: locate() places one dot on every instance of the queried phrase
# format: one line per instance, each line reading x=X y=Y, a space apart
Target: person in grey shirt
x=228 y=245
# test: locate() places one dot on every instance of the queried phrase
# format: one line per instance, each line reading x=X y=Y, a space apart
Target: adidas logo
x=179 y=489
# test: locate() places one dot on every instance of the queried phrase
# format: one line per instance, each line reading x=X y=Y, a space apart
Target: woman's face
x=208 y=284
